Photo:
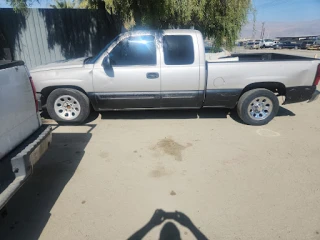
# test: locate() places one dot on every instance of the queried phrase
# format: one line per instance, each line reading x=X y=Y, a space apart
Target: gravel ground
x=104 y=180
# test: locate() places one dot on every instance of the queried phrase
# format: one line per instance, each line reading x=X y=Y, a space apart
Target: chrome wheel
x=260 y=108
x=67 y=107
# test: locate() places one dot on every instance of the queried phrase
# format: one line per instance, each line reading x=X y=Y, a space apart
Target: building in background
x=298 y=38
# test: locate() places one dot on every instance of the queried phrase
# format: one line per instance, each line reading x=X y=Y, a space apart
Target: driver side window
x=137 y=50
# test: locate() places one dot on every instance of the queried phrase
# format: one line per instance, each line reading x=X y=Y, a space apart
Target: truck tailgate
x=18 y=117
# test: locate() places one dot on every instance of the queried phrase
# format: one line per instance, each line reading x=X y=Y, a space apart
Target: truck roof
x=170 y=31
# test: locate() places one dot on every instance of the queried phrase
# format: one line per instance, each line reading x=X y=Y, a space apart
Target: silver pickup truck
x=167 y=70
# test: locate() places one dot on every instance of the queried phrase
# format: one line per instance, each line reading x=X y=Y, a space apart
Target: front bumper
x=18 y=164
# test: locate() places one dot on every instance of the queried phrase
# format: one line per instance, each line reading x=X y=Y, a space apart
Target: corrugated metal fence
x=48 y=35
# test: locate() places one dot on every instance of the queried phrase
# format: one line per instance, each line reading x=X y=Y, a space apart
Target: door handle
x=152 y=75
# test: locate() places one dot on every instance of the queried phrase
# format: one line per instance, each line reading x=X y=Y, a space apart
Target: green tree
x=218 y=19
x=94 y=4
x=20 y=5
x=63 y=4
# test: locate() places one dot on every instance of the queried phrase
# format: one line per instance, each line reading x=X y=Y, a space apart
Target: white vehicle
x=23 y=139
x=253 y=45
x=168 y=70
x=267 y=43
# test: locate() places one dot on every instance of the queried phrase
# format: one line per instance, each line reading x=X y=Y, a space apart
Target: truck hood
x=63 y=64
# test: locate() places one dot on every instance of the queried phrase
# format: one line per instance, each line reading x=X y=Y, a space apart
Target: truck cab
x=154 y=70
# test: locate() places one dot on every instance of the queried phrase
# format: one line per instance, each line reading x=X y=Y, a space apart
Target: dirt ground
x=104 y=180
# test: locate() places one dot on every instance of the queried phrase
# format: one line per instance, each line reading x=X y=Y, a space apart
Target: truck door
x=180 y=71
x=133 y=79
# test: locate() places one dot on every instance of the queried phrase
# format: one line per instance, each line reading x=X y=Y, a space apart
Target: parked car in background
x=23 y=139
x=253 y=45
x=258 y=44
x=314 y=46
x=287 y=45
x=306 y=44
x=267 y=43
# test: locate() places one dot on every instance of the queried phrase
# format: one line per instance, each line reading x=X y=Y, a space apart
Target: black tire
x=248 y=97
x=82 y=99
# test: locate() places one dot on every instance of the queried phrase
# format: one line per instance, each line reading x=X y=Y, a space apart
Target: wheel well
x=275 y=87
x=45 y=92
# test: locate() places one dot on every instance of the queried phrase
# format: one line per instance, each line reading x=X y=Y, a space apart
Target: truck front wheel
x=68 y=105
x=258 y=106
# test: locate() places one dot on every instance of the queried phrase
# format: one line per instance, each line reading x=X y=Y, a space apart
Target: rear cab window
x=178 y=49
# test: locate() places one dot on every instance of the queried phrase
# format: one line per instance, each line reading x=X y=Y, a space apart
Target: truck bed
x=254 y=57
x=289 y=70
x=227 y=79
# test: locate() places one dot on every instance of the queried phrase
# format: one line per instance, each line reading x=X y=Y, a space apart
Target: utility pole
x=253 y=31
x=263 y=30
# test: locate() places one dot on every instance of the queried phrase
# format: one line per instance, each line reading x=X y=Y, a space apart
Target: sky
x=287 y=10
x=284 y=18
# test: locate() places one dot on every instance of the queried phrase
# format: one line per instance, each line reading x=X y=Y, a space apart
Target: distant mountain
x=283 y=29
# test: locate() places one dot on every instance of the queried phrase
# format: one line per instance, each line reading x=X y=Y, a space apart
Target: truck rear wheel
x=258 y=106
x=68 y=105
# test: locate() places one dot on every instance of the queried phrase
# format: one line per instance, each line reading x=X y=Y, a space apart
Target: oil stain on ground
x=172 y=148
x=159 y=172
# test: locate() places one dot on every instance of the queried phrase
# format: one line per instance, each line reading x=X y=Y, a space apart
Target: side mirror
x=106 y=62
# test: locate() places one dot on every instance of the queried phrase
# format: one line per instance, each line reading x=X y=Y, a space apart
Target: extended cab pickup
x=167 y=70
x=23 y=138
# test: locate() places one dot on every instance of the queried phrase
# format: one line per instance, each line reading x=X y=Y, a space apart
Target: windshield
x=93 y=59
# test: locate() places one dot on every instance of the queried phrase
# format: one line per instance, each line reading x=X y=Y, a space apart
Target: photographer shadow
x=169 y=231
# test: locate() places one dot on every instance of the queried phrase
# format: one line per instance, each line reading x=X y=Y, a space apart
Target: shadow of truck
x=29 y=209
